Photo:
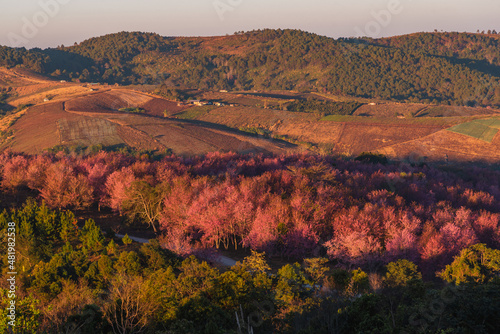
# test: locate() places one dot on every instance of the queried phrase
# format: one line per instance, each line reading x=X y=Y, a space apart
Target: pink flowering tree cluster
x=358 y=214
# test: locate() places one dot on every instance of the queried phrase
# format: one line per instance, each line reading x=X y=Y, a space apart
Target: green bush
x=401 y=273
x=133 y=110
x=126 y=240
x=475 y=264
x=92 y=237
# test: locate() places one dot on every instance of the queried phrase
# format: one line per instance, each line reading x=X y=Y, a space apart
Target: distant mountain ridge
x=449 y=68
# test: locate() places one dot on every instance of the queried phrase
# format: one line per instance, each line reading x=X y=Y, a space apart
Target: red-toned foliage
x=117 y=185
x=487 y=228
x=36 y=173
x=14 y=172
x=63 y=188
x=292 y=205
x=269 y=224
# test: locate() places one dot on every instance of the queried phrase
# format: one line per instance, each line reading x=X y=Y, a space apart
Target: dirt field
x=156 y=107
x=78 y=116
x=138 y=139
x=103 y=102
x=346 y=136
x=254 y=117
x=452 y=111
x=26 y=84
x=111 y=100
x=18 y=78
x=418 y=110
x=389 y=109
x=6 y=121
x=443 y=122
x=38 y=129
x=93 y=119
x=186 y=138
x=358 y=138
x=446 y=146
x=130 y=97
x=57 y=94
x=86 y=131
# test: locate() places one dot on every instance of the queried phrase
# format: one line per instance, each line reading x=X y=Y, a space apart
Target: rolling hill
x=446 y=68
x=434 y=96
x=81 y=115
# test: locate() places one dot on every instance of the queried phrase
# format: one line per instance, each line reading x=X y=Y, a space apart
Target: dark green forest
x=325 y=107
x=446 y=68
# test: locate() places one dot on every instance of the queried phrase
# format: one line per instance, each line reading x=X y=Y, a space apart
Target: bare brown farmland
x=86 y=116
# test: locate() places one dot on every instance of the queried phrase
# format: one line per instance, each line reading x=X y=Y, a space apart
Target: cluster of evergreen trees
x=3 y=99
x=324 y=107
x=450 y=68
x=76 y=279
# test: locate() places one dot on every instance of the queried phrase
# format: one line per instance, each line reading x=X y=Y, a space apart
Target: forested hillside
x=468 y=47
x=449 y=68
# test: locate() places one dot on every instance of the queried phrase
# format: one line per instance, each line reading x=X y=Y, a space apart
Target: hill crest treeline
x=449 y=68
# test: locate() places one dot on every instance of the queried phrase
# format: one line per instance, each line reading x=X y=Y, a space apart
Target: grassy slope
x=482 y=129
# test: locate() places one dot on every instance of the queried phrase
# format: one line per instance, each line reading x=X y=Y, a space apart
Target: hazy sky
x=48 y=23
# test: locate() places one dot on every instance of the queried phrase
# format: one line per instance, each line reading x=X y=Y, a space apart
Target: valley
x=82 y=115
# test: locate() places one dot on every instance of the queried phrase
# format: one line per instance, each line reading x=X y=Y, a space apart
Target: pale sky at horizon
x=30 y=23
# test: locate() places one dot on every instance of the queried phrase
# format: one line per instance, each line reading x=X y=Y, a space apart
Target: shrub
x=401 y=273
x=126 y=240
x=475 y=264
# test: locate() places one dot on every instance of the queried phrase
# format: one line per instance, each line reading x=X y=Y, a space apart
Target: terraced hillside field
x=345 y=135
x=87 y=116
x=112 y=100
x=25 y=87
x=396 y=129
x=446 y=146
x=40 y=128
x=94 y=119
